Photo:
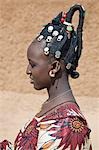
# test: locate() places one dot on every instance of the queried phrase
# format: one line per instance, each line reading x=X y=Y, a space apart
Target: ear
x=55 y=66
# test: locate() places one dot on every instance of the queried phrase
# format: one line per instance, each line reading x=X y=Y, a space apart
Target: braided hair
x=62 y=41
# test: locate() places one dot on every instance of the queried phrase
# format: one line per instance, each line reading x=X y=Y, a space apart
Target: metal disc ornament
x=40 y=38
x=60 y=37
x=46 y=50
x=50 y=29
x=57 y=54
x=49 y=38
x=55 y=33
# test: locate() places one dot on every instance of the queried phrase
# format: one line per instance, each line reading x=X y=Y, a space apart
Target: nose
x=28 y=70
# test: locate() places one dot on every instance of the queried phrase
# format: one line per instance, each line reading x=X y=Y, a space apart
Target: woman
x=53 y=57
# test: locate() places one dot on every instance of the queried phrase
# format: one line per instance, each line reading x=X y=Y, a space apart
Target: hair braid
x=75 y=49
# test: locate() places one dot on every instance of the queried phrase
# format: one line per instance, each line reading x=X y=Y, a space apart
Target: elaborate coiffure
x=62 y=40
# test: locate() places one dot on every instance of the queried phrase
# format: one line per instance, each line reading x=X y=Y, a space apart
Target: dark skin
x=40 y=65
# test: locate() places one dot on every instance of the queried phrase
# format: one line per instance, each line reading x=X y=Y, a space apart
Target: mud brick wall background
x=21 y=20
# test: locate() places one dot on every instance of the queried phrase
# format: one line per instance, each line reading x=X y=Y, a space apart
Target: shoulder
x=65 y=128
x=70 y=132
x=64 y=110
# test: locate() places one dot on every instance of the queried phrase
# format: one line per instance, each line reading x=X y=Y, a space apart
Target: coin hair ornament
x=62 y=40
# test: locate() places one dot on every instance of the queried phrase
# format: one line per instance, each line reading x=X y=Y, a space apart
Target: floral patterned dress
x=63 y=128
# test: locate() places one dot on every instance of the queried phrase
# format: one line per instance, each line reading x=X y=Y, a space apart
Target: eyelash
x=32 y=65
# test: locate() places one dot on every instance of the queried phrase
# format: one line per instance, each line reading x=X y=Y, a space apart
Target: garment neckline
x=51 y=110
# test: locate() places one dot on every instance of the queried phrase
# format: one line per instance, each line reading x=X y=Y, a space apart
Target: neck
x=61 y=87
x=58 y=93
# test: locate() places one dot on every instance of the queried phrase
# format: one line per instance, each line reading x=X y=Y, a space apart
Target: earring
x=51 y=74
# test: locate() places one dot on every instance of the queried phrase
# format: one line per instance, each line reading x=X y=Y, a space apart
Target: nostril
x=28 y=71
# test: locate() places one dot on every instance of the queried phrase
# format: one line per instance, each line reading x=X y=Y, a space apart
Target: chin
x=38 y=87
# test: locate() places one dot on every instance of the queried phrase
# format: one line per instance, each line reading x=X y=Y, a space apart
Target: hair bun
x=74 y=74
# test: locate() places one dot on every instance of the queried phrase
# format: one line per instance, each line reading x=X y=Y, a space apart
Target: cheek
x=40 y=73
x=43 y=73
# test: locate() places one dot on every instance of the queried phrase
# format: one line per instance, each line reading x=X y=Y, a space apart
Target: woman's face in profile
x=38 y=67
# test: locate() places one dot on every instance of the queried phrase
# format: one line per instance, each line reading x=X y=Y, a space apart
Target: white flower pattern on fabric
x=54 y=134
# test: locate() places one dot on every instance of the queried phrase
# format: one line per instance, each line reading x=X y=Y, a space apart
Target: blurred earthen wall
x=21 y=20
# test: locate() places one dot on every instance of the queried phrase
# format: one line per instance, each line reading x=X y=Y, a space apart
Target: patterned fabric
x=64 y=128
x=5 y=145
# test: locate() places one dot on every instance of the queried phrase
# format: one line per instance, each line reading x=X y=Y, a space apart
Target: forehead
x=35 y=50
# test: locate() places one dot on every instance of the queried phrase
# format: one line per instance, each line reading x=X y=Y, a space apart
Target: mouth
x=31 y=80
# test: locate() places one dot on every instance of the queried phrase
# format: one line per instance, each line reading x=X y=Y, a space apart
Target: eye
x=32 y=65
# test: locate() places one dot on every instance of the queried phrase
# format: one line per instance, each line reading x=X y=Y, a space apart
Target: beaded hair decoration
x=62 y=41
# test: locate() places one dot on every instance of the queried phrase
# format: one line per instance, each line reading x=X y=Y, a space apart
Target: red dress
x=63 y=128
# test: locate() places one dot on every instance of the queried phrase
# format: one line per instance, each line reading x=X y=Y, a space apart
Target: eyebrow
x=31 y=61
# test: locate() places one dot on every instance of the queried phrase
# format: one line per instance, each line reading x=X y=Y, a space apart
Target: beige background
x=20 y=21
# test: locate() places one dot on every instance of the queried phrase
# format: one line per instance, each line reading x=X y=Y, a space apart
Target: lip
x=31 y=80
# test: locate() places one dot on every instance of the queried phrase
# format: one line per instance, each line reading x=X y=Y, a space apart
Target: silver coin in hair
x=57 y=54
x=50 y=29
x=55 y=33
x=40 y=38
x=46 y=50
x=60 y=37
x=49 y=38
x=68 y=66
